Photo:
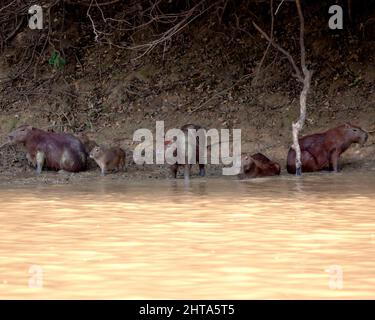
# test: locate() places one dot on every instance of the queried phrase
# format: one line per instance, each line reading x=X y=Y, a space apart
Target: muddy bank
x=19 y=172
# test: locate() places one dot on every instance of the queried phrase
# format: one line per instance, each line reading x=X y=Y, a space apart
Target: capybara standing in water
x=187 y=166
x=108 y=159
x=257 y=165
x=58 y=151
x=322 y=150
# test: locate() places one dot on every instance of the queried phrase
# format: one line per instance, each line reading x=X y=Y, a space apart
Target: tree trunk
x=298 y=125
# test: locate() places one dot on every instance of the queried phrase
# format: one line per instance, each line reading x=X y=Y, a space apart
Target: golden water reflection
x=217 y=238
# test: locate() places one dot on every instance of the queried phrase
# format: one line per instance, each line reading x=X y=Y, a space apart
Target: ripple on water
x=219 y=238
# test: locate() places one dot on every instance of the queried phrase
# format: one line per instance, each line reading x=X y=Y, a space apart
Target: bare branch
x=278 y=7
x=298 y=74
x=268 y=46
x=88 y=4
x=217 y=94
x=301 y=36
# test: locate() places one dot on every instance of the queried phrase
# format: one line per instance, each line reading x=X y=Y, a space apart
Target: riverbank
x=356 y=159
x=207 y=75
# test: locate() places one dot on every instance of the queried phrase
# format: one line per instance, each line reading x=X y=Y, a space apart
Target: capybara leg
x=202 y=171
x=334 y=161
x=174 y=169
x=30 y=160
x=187 y=172
x=291 y=161
x=40 y=158
x=103 y=170
x=122 y=165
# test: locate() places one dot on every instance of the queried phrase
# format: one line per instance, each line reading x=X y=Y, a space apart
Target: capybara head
x=355 y=134
x=247 y=163
x=20 y=134
x=96 y=152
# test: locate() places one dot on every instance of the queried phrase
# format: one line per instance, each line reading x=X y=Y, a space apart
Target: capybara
x=108 y=159
x=322 y=150
x=187 y=166
x=257 y=165
x=58 y=151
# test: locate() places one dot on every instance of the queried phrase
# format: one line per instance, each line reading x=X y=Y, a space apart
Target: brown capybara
x=58 y=151
x=187 y=166
x=322 y=150
x=108 y=159
x=257 y=165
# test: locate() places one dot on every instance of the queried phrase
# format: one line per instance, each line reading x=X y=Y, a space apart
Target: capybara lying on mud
x=108 y=159
x=322 y=150
x=187 y=166
x=257 y=165
x=58 y=151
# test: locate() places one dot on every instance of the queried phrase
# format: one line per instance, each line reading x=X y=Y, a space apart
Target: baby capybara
x=322 y=150
x=108 y=159
x=257 y=165
x=58 y=151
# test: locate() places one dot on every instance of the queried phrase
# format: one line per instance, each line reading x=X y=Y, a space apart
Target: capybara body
x=322 y=150
x=108 y=159
x=58 y=151
x=257 y=165
x=187 y=167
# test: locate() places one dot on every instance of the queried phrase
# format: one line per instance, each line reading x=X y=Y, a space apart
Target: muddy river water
x=283 y=237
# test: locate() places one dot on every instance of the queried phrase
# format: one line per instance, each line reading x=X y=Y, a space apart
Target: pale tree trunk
x=298 y=125
x=302 y=74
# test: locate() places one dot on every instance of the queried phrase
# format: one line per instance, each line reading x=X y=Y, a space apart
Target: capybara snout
x=20 y=134
x=357 y=134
